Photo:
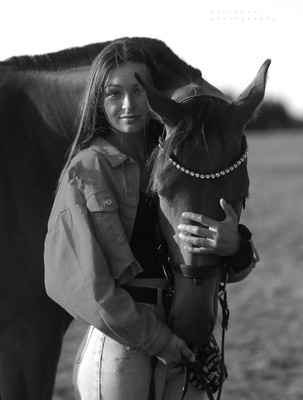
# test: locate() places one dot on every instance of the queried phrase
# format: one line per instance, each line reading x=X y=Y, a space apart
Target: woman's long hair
x=93 y=122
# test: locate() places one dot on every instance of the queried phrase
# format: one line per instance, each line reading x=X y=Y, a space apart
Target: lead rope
x=225 y=317
x=222 y=295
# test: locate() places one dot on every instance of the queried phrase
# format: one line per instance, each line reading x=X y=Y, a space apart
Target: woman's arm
x=77 y=277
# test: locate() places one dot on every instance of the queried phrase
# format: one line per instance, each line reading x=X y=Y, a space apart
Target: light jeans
x=107 y=370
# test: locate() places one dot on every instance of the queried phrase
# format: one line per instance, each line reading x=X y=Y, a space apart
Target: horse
x=39 y=102
x=201 y=159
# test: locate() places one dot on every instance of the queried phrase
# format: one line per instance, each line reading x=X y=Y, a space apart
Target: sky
x=228 y=40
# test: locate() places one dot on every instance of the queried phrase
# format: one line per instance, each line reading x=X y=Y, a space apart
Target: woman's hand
x=222 y=238
x=175 y=351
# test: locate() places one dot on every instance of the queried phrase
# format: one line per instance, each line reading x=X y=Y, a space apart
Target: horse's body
x=39 y=99
x=34 y=138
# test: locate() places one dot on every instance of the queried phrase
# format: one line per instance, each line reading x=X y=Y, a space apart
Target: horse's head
x=201 y=160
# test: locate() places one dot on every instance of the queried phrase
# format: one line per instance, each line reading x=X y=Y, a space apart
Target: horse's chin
x=194 y=335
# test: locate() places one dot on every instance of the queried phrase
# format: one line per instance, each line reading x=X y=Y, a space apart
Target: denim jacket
x=87 y=254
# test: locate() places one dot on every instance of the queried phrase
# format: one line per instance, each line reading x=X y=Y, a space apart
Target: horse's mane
x=60 y=60
x=163 y=55
x=83 y=56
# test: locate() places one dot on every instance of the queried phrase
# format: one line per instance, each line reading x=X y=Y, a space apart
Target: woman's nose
x=127 y=102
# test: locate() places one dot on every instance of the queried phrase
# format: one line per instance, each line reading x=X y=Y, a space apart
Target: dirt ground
x=264 y=346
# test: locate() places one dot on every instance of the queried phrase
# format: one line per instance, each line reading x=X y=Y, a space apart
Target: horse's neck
x=55 y=95
x=42 y=106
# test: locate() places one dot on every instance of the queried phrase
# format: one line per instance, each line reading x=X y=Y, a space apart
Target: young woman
x=102 y=234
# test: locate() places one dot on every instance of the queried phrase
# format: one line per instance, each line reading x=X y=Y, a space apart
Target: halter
x=197 y=273
x=173 y=160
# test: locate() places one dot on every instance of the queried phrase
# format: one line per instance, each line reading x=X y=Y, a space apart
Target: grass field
x=264 y=343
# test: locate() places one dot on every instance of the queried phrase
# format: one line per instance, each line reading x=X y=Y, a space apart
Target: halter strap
x=196 y=272
x=205 y=89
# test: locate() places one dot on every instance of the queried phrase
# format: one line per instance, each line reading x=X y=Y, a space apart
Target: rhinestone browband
x=172 y=158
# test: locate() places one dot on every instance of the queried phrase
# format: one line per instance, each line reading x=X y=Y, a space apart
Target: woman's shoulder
x=94 y=168
x=99 y=154
x=86 y=159
x=86 y=171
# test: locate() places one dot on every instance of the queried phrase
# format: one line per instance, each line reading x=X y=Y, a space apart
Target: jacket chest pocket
x=104 y=211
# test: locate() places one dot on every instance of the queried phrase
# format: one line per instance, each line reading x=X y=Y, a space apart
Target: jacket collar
x=110 y=152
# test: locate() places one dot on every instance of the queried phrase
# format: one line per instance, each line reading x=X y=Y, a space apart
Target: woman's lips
x=130 y=117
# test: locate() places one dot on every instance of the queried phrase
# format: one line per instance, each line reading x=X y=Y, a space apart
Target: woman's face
x=125 y=104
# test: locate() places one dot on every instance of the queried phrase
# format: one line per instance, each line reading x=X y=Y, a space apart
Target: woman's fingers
x=185 y=350
x=195 y=240
x=201 y=219
x=229 y=211
x=199 y=250
x=195 y=230
x=175 y=351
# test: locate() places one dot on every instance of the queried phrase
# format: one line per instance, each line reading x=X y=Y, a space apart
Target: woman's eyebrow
x=117 y=85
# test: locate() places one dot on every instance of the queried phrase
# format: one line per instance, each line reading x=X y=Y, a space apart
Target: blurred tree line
x=274 y=115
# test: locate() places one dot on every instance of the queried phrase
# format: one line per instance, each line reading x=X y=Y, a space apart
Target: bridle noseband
x=197 y=273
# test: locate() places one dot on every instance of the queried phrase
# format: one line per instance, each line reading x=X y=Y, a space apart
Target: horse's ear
x=168 y=110
x=252 y=96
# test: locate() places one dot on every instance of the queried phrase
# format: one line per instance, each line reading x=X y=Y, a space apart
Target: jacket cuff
x=245 y=256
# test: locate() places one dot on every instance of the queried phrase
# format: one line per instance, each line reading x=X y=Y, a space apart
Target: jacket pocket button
x=108 y=202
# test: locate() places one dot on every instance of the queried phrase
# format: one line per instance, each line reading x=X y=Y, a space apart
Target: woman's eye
x=113 y=94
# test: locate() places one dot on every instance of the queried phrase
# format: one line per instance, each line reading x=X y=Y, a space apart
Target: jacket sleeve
x=78 y=277
x=249 y=262
x=241 y=264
